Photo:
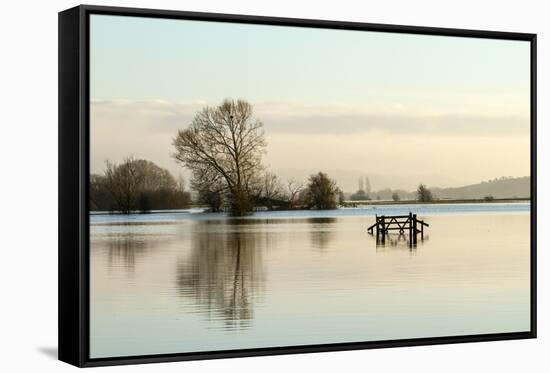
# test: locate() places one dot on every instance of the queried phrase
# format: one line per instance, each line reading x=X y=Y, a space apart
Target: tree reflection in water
x=127 y=244
x=321 y=233
x=224 y=273
x=124 y=248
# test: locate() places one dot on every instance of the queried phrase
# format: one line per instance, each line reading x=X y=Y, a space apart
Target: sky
x=401 y=109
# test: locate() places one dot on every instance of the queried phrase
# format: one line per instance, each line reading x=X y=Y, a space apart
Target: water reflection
x=125 y=249
x=398 y=241
x=200 y=284
x=321 y=231
x=225 y=274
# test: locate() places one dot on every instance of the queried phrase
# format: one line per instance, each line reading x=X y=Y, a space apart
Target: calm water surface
x=187 y=282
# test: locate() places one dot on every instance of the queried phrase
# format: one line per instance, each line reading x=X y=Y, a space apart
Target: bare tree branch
x=223 y=146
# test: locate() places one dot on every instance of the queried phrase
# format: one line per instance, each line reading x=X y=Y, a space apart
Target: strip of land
x=433 y=202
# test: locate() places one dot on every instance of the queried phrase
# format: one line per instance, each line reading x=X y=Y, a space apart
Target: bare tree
x=367 y=185
x=154 y=177
x=363 y=193
x=224 y=144
x=271 y=190
x=360 y=195
x=210 y=188
x=423 y=194
x=123 y=182
x=293 y=189
x=136 y=184
x=100 y=197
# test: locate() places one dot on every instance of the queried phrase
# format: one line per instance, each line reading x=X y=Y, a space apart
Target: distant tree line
x=360 y=195
x=495 y=189
x=136 y=185
x=364 y=191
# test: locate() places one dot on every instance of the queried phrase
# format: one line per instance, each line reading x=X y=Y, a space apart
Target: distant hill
x=504 y=187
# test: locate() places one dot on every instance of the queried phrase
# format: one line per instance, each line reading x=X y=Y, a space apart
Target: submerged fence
x=404 y=224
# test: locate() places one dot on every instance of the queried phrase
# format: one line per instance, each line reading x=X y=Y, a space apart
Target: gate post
x=410 y=229
x=383 y=229
x=414 y=229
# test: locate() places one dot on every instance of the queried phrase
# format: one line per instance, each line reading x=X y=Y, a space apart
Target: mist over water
x=187 y=282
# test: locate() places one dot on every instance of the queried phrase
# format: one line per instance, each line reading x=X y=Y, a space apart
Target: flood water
x=188 y=282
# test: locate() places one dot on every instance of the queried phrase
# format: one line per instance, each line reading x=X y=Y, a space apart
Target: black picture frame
x=73 y=165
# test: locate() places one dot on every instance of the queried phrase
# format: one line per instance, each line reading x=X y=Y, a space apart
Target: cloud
x=289 y=117
x=397 y=147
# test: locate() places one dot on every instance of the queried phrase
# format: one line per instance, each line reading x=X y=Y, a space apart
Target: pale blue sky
x=142 y=58
x=415 y=93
